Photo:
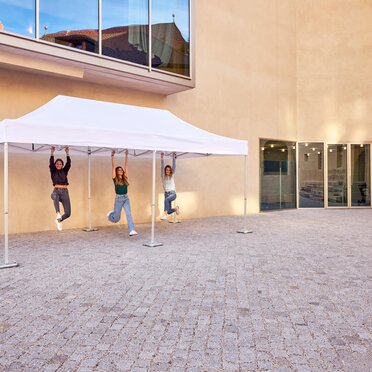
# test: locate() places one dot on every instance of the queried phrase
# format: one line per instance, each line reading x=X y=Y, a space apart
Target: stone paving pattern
x=293 y=296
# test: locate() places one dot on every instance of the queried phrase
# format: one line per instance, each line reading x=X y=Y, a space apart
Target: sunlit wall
x=334 y=59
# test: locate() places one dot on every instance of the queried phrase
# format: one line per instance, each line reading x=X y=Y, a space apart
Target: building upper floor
x=141 y=44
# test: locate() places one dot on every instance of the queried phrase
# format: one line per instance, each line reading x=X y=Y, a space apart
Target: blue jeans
x=122 y=201
x=169 y=196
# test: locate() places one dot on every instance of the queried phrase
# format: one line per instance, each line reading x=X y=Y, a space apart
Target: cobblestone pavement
x=294 y=295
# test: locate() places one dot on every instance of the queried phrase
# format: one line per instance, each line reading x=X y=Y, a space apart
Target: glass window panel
x=311 y=175
x=171 y=36
x=337 y=175
x=125 y=30
x=278 y=174
x=72 y=23
x=360 y=175
x=18 y=16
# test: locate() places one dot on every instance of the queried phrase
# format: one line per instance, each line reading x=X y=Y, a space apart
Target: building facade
x=289 y=76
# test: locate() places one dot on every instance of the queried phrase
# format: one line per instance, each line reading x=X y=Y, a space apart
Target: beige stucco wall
x=30 y=205
x=245 y=88
x=334 y=59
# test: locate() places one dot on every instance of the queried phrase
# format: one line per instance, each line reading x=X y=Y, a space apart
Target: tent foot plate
x=8 y=265
x=174 y=221
x=152 y=244
x=89 y=229
x=244 y=231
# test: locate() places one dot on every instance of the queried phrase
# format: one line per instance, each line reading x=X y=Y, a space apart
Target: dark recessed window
x=278 y=174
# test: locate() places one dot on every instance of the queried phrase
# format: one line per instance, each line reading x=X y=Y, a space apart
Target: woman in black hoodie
x=58 y=173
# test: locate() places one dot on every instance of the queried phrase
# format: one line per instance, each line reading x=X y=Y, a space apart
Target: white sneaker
x=58 y=216
x=164 y=217
x=133 y=232
x=59 y=225
x=107 y=215
x=177 y=210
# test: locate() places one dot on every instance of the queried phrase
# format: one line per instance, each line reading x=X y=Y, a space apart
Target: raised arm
x=113 y=163
x=126 y=163
x=52 y=167
x=68 y=160
x=174 y=163
x=162 y=165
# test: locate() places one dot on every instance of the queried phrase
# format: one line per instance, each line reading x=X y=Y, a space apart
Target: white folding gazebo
x=96 y=127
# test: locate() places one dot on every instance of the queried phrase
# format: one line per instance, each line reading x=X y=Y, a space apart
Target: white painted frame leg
x=245 y=229
x=6 y=263
x=152 y=241
x=89 y=228
x=174 y=218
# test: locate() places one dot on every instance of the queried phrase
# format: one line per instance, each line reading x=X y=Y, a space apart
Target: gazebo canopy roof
x=81 y=123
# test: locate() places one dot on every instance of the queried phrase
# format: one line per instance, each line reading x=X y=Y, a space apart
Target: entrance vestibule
x=314 y=175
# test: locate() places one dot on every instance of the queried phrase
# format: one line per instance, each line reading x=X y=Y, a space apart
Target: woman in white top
x=167 y=175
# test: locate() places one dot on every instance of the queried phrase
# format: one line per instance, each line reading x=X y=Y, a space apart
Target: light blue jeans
x=168 y=198
x=122 y=201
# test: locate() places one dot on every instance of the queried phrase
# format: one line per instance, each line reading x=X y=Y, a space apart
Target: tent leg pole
x=174 y=219
x=245 y=230
x=89 y=228
x=152 y=242
x=6 y=263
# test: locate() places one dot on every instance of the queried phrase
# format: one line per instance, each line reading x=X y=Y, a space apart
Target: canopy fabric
x=103 y=125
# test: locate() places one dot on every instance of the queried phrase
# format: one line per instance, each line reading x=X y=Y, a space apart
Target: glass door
x=337 y=175
x=360 y=175
x=311 y=174
x=278 y=175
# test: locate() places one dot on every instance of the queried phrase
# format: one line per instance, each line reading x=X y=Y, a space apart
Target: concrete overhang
x=40 y=57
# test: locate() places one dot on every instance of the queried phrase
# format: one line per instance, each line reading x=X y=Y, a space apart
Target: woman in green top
x=120 y=178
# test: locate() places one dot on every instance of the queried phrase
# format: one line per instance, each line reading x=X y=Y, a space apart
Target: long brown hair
x=165 y=171
x=60 y=161
x=123 y=180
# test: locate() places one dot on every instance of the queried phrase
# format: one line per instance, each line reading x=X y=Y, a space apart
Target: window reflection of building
x=170 y=51
x=116 y=43
x=129 y=42
x=171 y=48
x=80 y=39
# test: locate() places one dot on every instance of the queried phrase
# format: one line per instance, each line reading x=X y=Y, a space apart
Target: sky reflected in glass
x=124 y=13
x=125 y=30
x=62 y=15
x=18 y=16
x=166 y=11
x=74 y=24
